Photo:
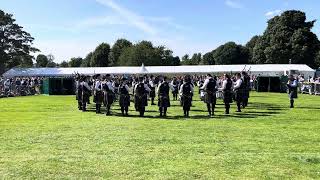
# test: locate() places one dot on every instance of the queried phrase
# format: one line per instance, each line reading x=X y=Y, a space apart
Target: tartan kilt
x=175 y=91
x=227 y=96
x=210 y=97
x=186 y=101
x=152 y=92
x=124 y=100
x=164 y=101
x=108 y=98
x=99 y=97
x=85 y=97
x=245 y=94
x=77 y=95
x=140 y=101
x=293 y=94
x=238 y=95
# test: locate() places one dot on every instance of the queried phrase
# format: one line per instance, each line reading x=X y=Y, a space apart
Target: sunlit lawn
x=46 y=137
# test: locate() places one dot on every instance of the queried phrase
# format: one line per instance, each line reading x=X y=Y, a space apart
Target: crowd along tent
x=59 y=78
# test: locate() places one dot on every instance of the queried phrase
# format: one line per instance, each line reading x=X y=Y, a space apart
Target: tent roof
x=157 y=70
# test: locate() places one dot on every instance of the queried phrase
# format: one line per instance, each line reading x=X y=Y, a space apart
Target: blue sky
x=72 y=28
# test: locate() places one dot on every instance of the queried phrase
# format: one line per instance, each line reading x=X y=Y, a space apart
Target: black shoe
x=238 y=111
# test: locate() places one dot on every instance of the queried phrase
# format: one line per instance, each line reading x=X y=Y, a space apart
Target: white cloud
x=101 y=21
x=133 y=18
x=234 y=4
x=271 y=14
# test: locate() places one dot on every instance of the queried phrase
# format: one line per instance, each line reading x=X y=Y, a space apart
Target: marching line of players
x=106 y=90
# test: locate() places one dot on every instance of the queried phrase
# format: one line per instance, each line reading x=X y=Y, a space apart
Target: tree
x=287 y=36
x=208 y=59
x=185 y=60
x=196 y=59
x=42 y=60
x=145 y=53
x=100 y=56
x=251 y=44
x=117 y=49
x=64 y=64
x=75 y=62
x=51 y=62
x=87 y=60
x=231 y=53
x=317 y=61
x=15 y=44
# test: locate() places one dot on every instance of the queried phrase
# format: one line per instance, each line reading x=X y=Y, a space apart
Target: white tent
x=261 y=69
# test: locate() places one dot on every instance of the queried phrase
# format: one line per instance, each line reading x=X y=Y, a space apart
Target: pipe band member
x=246 y=88
x=186 y=92
x=238 y=90
x=85 y=92
x=292 y=90
x=227 y=92
x=108 y=92
x=141 y=91
x=98 y=93
x=124 y=99
x=152 y=85
x=175 y=91
x=210 y=88
x=164 y=96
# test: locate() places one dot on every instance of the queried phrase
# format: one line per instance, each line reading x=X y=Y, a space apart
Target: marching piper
x=141 y=100
x=98 y=93
x=175 y=91
x=186 y=92
x=163 y=94
x=227 y=92
x=292 y=90
x=152 y=85
x=124 y=100
x=85 y=92
x=108 y=92
x=246 y=88
x=210 y=98
x=238 y=91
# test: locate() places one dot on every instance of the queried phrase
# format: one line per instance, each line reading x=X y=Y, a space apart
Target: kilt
x=245 y=94
x=85 y=97
x=186 y=101
x=79 y=96
x=210 y=97
x=227 y=97
x=99 y=97
x=152 y=93
x=238 y=95
x=175 y=90
x=140 y=101
x=108 y=98
x=293 y=94
x=164 y=101
x=124 y=100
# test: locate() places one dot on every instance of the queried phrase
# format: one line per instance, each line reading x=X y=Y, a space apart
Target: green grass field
x=46 y=137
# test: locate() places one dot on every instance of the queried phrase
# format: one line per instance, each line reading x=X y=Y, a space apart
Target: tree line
x=287 y=39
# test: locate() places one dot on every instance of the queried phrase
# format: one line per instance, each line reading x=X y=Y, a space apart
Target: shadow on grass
x=254 y=110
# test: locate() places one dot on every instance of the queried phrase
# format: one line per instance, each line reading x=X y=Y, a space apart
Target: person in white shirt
x=293 y=90
x=238 y=91
x=209 y=87
x=108 y=91
x=98 y=93
x=227 y=92
x=85 y=89
x=124 y=100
